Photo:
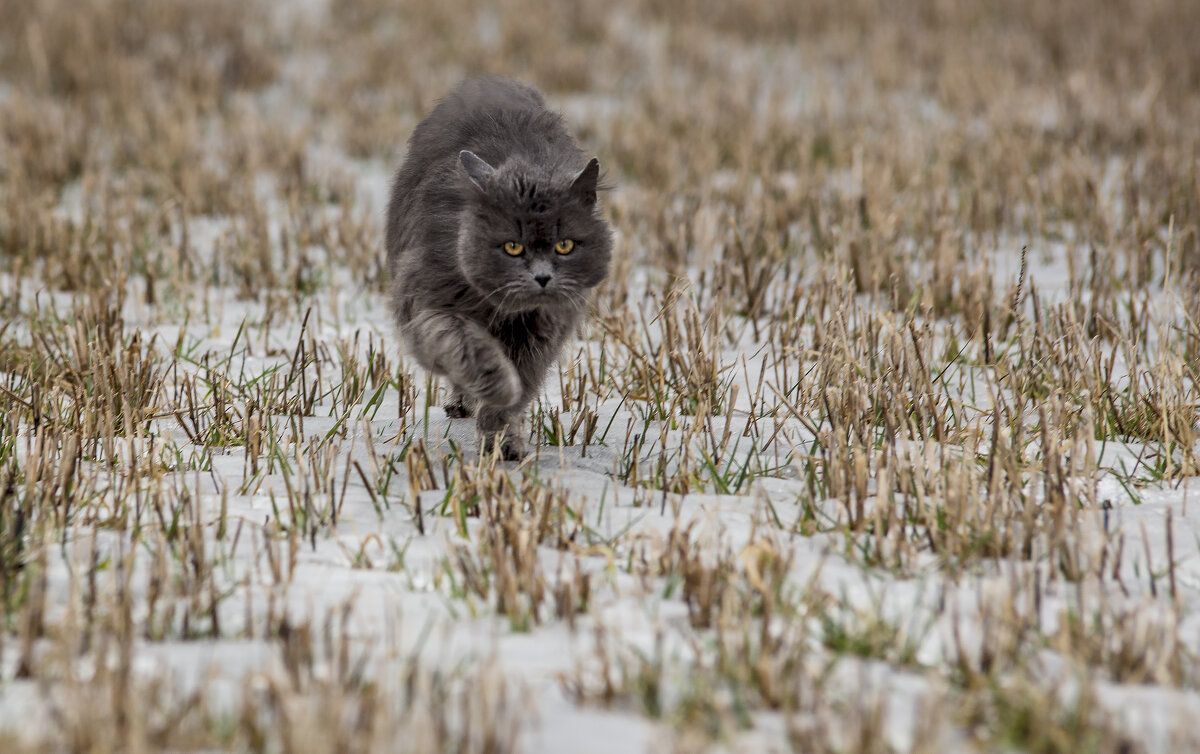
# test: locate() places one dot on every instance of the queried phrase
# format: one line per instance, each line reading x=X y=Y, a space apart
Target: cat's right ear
x=586 y=182
x=477 y=170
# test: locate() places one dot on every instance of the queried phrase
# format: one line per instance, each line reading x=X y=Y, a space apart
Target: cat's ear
x=477 y=170
x=584 y=185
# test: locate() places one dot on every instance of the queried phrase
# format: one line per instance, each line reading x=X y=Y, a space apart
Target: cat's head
x=532 y=236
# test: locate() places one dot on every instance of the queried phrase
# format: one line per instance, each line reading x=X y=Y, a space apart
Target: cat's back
x=490 y=115
x=477 y=111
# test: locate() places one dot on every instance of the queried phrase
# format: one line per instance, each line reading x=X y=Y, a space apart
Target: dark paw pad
x=456 y=410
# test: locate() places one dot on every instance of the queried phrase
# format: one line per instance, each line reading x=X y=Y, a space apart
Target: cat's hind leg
x=458 y=405
x=465 y=353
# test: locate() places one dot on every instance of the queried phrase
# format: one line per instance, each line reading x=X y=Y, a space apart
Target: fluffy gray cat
x=494 y=241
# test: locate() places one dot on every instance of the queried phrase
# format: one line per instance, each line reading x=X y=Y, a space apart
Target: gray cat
x=494 y=242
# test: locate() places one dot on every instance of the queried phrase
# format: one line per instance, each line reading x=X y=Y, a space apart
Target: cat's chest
x=527 y=329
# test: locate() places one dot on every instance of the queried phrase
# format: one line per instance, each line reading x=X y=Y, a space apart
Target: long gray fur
x=492 y=165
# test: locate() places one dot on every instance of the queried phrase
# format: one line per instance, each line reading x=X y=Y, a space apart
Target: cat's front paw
x=499 y=385
x=511 y=448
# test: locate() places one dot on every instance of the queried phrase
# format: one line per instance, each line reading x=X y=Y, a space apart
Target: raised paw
x=463 y=351
x=498 y=384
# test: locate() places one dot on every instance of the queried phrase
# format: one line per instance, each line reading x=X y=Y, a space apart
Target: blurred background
x=886 y=127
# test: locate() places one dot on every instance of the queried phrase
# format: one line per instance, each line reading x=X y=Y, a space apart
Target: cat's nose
x=542 y=279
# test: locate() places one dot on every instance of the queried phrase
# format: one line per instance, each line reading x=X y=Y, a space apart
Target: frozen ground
x=392 y=594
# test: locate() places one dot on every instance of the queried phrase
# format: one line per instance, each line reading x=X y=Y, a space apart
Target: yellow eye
x=513 y=249
x=564 y=246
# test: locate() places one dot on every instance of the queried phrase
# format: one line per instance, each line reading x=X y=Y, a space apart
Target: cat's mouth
x=551 y=296
x=543 y=296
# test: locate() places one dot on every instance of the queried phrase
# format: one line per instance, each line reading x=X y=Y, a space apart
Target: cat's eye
x=564 y=246
x=513 y=249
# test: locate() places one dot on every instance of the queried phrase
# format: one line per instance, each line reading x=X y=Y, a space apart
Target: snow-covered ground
x=785 y=492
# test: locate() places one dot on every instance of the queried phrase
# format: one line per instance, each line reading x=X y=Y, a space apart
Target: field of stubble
x=883 y=436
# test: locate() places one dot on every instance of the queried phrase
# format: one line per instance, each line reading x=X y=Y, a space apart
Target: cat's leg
x=502 y=426
x=465 y=353
x=532 y=358
x=534 y=355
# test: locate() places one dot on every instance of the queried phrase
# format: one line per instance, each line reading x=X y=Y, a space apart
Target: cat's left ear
x=477 y=169
x=584 y=185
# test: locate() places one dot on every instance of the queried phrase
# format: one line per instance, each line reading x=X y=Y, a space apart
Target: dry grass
x=906 y=304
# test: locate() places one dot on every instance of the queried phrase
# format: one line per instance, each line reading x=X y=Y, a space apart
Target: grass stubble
x=883 y=426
